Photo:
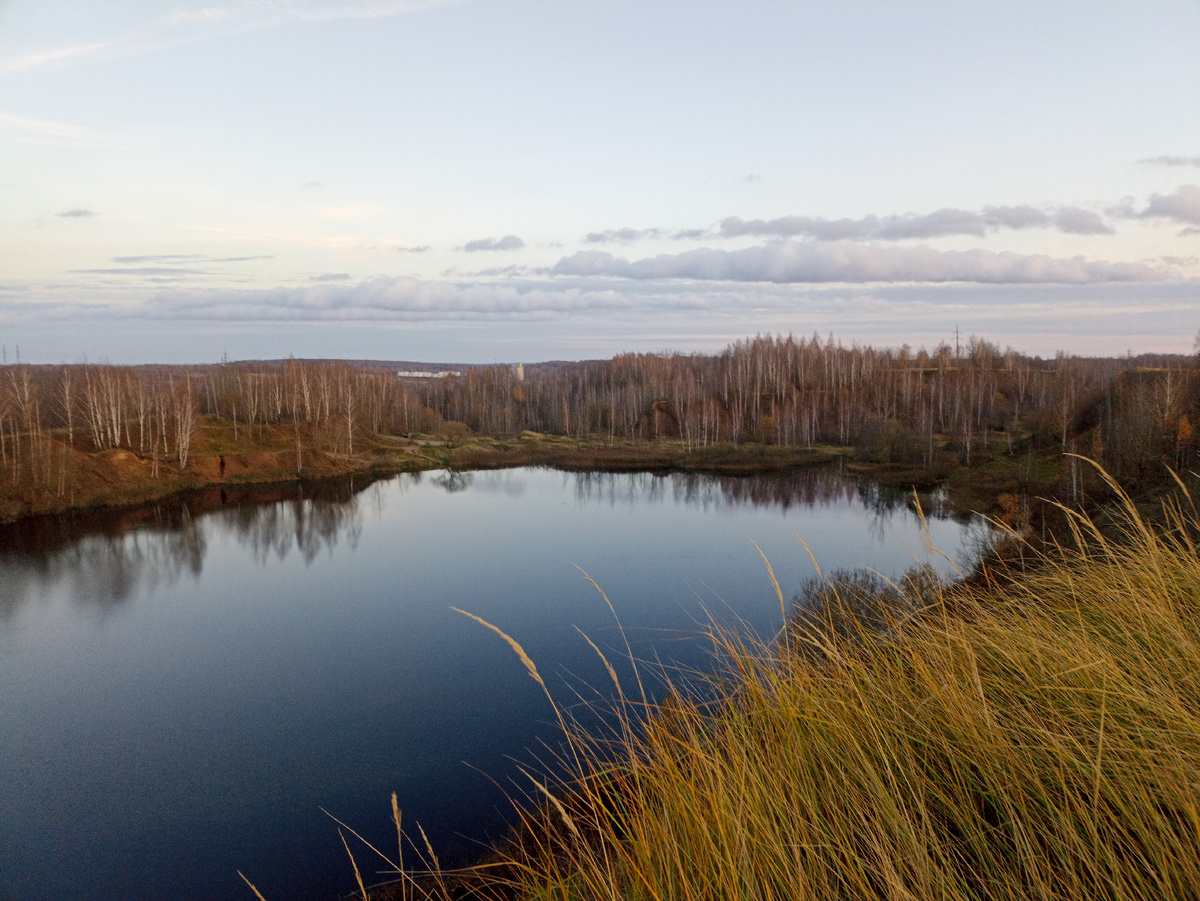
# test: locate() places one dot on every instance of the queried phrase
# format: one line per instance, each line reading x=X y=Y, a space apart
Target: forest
x=70 y=434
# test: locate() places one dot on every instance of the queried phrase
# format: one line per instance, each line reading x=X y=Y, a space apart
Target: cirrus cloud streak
x=1171 y=161
x=182 y=26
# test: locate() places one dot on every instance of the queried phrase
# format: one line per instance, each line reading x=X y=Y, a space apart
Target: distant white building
x=518 y=370
x=426 y=373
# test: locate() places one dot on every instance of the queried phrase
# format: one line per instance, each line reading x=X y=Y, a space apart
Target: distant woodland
x=1137 y=416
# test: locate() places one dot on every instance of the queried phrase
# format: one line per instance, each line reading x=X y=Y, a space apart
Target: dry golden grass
x=1036 y=740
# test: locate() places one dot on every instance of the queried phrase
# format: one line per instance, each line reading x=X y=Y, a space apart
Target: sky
x=487 y=181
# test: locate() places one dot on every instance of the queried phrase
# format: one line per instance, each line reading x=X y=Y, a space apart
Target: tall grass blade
x=628 y=650
x=382 y=856
x=257 y=893
x=358 y=876
x=778 y=591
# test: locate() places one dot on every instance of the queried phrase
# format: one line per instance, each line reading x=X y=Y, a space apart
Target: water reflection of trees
x=101 y=561
x=883 y=500
x=821 y=486
x=315 y=519
x=104 y=567
x=453 y=481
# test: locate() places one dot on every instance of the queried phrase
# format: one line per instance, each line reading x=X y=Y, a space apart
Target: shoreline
x=122 y=480
x=75 y=481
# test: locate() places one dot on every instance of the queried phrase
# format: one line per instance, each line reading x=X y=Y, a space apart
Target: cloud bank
x=400 y=298
x=77 y=214
x=946 y=222
x=795 y=262
x=580 y=318
x=938 y=224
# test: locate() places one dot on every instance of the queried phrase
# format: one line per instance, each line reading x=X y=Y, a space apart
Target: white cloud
x=1181 y=206
x=788 y=262
x=632 y=235
x=792 y=226
x=1023 y=216
x=1075 y=221
x=508 y=242
x=622 y=235
x=937 y=224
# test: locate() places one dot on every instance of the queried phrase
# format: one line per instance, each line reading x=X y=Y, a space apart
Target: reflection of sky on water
x=256 y=662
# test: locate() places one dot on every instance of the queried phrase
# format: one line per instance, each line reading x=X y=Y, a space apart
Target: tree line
x=894 y=406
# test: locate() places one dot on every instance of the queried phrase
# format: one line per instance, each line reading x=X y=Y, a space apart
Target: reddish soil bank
x=72 y=479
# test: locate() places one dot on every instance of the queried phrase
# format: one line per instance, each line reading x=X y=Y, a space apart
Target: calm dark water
x=181 y=692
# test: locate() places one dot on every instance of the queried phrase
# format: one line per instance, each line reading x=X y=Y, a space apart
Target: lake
x=185 y=687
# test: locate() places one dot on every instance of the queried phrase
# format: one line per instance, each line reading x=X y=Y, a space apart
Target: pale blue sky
x=494 y=180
